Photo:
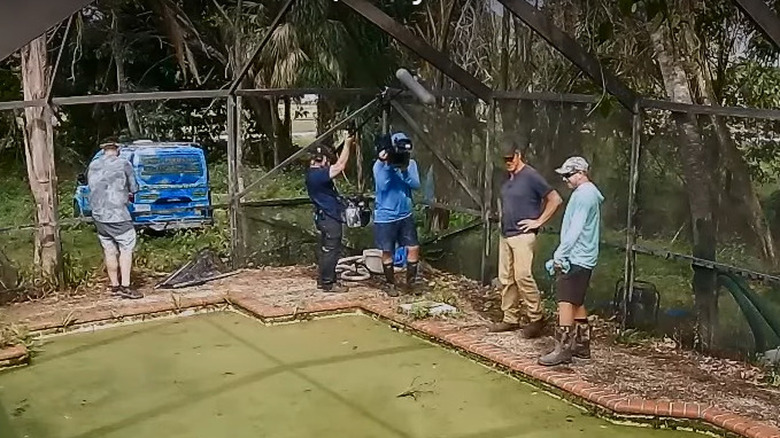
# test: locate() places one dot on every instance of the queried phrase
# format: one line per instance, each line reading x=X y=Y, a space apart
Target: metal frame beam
x=584 y=99
x=22 y=21
x=438 y=153
x=763 y=16
x=572 y=50
x=421 y=48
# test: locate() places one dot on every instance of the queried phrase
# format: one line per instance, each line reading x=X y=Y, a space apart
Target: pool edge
x=601 y=402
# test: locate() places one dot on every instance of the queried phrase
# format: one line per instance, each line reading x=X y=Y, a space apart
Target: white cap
x=572 y=165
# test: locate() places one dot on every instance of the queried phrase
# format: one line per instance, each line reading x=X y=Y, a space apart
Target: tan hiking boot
x=533 y=329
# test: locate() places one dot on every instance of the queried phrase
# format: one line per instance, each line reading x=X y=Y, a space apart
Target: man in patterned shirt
x=111 y=185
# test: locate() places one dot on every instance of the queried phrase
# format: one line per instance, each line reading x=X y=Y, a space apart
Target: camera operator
x=328 y=210
x=395 y=176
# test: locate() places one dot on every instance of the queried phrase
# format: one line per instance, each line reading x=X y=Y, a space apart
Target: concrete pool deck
x=292 y=304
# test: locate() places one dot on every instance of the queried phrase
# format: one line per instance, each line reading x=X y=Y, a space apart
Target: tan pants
x=520 y=295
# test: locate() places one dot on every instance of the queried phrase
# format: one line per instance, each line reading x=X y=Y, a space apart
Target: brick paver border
x=603 y=402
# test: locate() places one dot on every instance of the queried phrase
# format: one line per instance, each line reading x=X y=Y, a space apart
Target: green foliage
x=772 y=376
x=631 y=337
x=419 y=311
x=12 y=334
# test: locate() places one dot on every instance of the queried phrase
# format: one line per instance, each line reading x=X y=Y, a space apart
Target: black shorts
x=401 y=233
x=571 y=286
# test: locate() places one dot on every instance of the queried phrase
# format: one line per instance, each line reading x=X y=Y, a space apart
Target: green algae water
x=227 y=375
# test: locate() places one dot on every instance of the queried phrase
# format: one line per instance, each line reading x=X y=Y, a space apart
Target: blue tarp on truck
x=173 y=186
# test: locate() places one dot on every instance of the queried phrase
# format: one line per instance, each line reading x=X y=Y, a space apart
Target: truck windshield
x=171 y=169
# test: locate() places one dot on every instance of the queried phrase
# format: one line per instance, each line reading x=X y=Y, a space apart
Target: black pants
x=329 y=248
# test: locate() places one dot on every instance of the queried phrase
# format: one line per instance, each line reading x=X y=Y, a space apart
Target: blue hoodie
x=394 y=191
x=580 y=230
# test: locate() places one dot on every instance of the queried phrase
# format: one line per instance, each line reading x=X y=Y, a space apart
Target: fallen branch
x=413 y=391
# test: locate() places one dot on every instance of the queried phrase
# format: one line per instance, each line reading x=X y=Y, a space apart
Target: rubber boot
x=562 y=352
x=411 y=277
x=390 y=279
x=335 y=288
x=581 y=348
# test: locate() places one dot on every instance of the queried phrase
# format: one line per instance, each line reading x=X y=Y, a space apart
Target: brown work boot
x=503 y=327
x=533 y=329
x=581 y=347
x=562 y=352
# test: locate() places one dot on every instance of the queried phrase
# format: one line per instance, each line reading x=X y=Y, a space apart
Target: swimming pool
x=224 y=374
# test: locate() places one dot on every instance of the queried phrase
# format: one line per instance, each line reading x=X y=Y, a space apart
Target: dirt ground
x=655 y=369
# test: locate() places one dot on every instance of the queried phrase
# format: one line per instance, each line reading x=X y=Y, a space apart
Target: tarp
x=21 y=21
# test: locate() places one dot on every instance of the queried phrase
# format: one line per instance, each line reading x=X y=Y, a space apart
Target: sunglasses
x=509 y=159
x=566 y=176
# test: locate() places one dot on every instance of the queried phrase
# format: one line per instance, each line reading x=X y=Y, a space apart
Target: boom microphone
x=415 y=87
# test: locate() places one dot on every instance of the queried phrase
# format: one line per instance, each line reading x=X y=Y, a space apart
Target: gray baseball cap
x=572 y=165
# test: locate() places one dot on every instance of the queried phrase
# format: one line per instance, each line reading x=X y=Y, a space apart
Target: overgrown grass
x=82 y=256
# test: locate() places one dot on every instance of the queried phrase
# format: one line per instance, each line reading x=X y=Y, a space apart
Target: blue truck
x=173 y=186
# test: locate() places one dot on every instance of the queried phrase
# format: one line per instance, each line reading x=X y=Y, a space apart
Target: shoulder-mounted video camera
x=398 y=147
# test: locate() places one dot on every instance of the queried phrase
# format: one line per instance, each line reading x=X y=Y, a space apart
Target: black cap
x=320 y=152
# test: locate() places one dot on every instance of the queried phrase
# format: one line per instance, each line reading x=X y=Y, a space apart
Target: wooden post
x=629 y=272
x=39 y=152
x=487 y=200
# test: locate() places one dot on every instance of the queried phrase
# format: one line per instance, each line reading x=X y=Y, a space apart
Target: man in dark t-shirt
x=328 y=211
x=527 y=203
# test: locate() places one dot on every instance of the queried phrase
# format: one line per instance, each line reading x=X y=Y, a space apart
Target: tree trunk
x=508 y=107
x=121 y=80
x=326 y=112
x=282 y=133
x=39 y=151
x=697 y=172
x=743 y=191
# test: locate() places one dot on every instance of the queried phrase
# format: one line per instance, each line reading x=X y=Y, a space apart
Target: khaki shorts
x=124 y=242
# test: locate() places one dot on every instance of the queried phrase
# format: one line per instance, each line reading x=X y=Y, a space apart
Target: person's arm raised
x=341 y=164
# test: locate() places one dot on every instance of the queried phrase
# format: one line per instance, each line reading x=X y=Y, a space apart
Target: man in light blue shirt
x=393 y=220
x=573 y=263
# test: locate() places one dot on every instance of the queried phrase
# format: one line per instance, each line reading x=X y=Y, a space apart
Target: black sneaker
x=113 y=290
x=129 y=293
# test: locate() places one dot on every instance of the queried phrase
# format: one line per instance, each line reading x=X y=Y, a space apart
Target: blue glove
x=550 y=266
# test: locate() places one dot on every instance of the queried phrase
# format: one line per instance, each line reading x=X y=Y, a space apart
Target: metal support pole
x=487 y=200
x=236 y=235
x=629 y=273
x=385 y=121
